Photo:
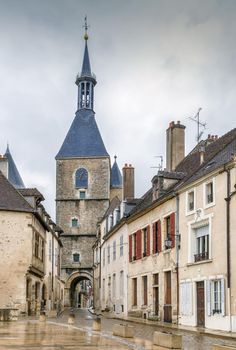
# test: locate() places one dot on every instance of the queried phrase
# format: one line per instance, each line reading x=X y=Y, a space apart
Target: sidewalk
x=193 y=338
x=174 y=327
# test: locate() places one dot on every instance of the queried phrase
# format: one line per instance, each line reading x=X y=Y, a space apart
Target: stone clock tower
x=82 y=186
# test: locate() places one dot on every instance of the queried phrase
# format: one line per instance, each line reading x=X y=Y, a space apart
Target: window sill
x=188 y=213
x=209 y=205
x=200 y=262
x=166 y=251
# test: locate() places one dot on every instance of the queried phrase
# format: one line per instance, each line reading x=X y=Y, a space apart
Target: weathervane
x=85 y=26
x=199 y=124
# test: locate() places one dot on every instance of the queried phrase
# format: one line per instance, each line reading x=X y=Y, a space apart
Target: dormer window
x=81 y=178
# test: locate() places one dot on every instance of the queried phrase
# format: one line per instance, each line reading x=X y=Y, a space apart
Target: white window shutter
x=208 y=297
x=223 y=297
x=190 y=299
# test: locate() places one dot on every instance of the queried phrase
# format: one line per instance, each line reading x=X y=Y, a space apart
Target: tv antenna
x=200 y=124
x=160 y=165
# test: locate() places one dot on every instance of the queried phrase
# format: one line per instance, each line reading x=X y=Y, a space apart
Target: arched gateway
x=78 y=289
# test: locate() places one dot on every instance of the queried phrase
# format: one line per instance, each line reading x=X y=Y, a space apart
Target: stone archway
x=70 y=286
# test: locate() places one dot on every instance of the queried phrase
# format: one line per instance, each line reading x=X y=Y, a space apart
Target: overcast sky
x=155 y=61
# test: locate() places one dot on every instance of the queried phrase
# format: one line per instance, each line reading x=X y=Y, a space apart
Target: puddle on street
x=46 y=336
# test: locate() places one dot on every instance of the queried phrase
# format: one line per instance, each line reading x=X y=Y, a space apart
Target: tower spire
x=86 y=80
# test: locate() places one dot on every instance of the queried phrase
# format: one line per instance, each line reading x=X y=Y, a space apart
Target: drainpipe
x=177 y=252
x=228 y=200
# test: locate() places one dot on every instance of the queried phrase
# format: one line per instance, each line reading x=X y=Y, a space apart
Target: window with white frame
x=144 y=244
x=103 y=256
x=209 y=193
x=216 y=297
x=190 y=201
x=121 y=245
x=108 y=254
x=121 y=284
x=114 y=250
x=114 y=286
x=202 y=243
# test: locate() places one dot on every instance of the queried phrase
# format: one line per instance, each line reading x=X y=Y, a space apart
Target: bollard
x=42 y=316
x=71 y=319
x=96 y=324
x=167 y=340
x=123 y=330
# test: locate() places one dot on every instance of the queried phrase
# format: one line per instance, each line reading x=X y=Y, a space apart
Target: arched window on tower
x=81 y=178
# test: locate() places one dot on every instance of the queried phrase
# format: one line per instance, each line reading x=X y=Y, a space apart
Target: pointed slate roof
x=10 y=198
x=116 y=177
x=86 y=68
x=83 y=138
x=13 y=173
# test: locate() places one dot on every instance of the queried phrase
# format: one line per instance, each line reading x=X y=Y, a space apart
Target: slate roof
x=10 y=198
x=220 y=152
x=31 y=192
x=115 y=202
x=13 y=173
x=86 y=67
x=83 y=138
x=116 y=177
x=217 y=153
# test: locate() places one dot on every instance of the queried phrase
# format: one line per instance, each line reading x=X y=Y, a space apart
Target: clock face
x=81 y=178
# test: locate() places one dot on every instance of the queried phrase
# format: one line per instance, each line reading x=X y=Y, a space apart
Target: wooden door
x=156 y=300
x=168 y=306
x=200 y=304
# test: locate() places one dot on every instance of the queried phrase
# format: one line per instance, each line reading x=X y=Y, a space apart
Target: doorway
x=200 y=304
x=168 y=306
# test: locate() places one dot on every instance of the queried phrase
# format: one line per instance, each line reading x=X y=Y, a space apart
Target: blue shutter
x=223 y=297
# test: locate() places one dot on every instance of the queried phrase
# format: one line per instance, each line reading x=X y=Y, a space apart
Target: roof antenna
x=160 y=165
x=200 y=124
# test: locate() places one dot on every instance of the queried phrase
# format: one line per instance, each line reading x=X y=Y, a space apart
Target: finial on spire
x=115 y=156
x=86 y=26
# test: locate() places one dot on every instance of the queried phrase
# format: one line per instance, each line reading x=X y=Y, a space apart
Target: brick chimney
x=4 y=165
x=175 y=145
x=128 y=181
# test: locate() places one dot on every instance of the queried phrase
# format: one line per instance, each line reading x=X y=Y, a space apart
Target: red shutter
x=139 y=244
x=172 y=229
x=148 y=240
x=159 y=236
x=154 y=238
x=130 y=248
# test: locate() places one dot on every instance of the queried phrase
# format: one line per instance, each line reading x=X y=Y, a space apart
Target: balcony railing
x=201 y=256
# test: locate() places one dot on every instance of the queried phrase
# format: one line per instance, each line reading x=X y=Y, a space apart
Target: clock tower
x=82 y=189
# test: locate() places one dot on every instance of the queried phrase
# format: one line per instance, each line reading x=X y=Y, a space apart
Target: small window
x=114 y=250
x=191 y=201
x=209 y=193
x=82 y=194
x=81 y=178
x=76 y=257
x=144 y=242
x=74 y=222
x=121 y=246
x=108 y=254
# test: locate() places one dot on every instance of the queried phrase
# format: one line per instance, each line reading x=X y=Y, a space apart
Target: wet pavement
x=144 y=332
x=57 y=334
x=47 y=336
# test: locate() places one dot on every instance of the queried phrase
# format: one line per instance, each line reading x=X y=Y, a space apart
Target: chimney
x=128 y=181
x=4 y=165
x=202 y=154
x=175 y=145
